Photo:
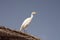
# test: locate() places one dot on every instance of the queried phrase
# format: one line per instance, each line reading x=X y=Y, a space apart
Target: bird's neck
x=31 y=15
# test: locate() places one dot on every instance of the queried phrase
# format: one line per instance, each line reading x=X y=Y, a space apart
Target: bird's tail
x=21 y=28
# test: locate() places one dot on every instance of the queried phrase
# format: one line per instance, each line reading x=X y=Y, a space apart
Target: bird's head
x=34 y=13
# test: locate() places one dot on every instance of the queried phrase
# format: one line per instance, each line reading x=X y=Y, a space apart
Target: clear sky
x=45 y=24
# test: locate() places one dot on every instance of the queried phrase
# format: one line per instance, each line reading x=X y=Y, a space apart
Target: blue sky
x=45 y=24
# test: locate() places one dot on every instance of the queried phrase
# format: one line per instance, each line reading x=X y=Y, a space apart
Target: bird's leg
x=25 y=31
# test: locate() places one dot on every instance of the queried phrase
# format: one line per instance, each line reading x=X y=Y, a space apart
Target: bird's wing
x=26 y=21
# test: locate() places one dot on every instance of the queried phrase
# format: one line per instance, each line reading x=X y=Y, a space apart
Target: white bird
x=26 y=22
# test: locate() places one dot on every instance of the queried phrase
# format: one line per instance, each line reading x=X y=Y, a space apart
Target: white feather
x=26 y=22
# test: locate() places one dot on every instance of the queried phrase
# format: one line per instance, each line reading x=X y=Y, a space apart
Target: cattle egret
x=27 y=22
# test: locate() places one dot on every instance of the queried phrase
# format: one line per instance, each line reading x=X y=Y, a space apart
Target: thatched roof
x=8 y=34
